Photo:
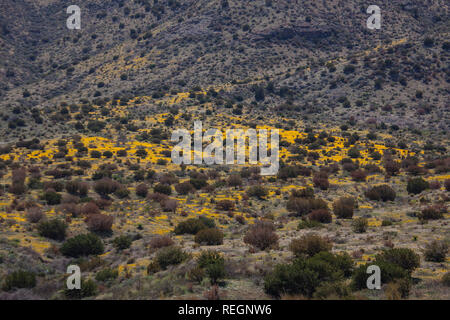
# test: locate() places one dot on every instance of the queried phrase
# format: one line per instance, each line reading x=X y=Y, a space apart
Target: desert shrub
x=160 y=242
x=392 y=167
x=417 y=185
x=170 y=256
x=261 y=235
x=446 y=279
x=210 y=236
x=354 y=153
x=333 y=290
x=215 y=271
x=308 y=224
x=196 y=274
x=198 y=183
x=389 y=272
x=77 y=188
x=307 y=192
x=309 y=245
x=193 y=225
x=142 y=190
x=51 y=197
x=208 y=257
x=82 y=245
x=431 y=213
x=405 y=258
x=225 y=205
x=106 y=186
x=343 y=207
x=122 y=242
x=90 y=208
x=447 y=184
x=54 y=229
x=163 y=189
x=122 y=192
x=240 y=219
x=435 y=185
x=257 y=191
x=320 y=180
x=386 y=223
x=19 y=279
x=303 y=206
x=106 y=274
x=360 y=225
x=436 y=251
x=99 y=222
x=320 y=215
x=305 y=275
x=359 y=175
x=184 y=188
x=214 y=264
x=234 y=180
x=381 y=192
x=34 y=214
x=88 y=289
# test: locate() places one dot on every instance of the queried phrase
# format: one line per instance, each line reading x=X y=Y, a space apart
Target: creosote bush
x=82 y=245
x=170 y=256
x=305 y=275
x=417 y=185
x=54 y=229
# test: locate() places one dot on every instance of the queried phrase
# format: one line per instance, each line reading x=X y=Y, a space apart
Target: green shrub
x=88 y=289
x=170 y=256
x=51 y=197
x=417 y=185
x=19 y=279
x=163 y=188
x=215 y=271
x=257 y=191
x=360 y=225
x=389 y=272
x=436 y=251
x=54 y=229
x=309 y=245
x=209 y=257
x=333 y=290
x=210 y=236
x=122 y=242
x=82 y=245
x=308 y=224
x=106 y=274
x=304 y=276
x=193 y=225
x=403 y=257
